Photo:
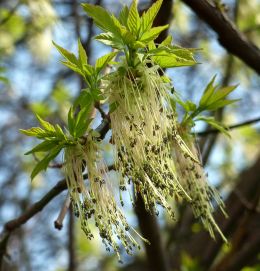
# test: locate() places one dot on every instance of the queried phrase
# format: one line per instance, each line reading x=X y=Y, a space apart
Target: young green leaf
x=185 y=53
x=71 y=122
x=133 y=19
x=153 y=33
x=127 y=37
x=216 y=124
x=221 y=93
x=149 y=16
x=89 y=70
x=190 y=106
x=38 y=132
x=73 y=67
x=111 y=40
x=82 y=122
x=170 y=60
x=220 y=103
x=83 y=59
x=59 y=133
x=43 y=164
x=209 y=90
x=47 y=131
x=171 y=56
x=82 y=127
x=123 y=16
x=102 y=62
x=167 y=41
x=214 y=98
x=79 y=124
x=66 y=54
x=84 y=99
x=44 y=146
x=45 y=124
x=102 y=18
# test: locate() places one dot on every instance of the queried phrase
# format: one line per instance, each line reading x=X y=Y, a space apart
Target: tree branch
x=238 y=125
x=150 y=230
x=11 y=225
x=229 y=36
x=72 y=242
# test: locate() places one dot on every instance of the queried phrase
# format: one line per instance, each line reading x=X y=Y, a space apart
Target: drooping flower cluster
x=143 y=127
x=96 y=200
x=194 y=181
x=153 y=151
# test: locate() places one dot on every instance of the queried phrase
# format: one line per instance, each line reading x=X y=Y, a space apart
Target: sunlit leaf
x=149 y=16
x=209 y=90
x=43 y=164
x=37 y=132
x=214 y=98
x=45 y=124
x=102 y=18
x=73 y=67
x=110 y=39
x=133 y=19
x=66 y=54
x=82 y=53
x=102 y=62
x=167 y=41
x=45 y=146
x=123 y=15
x=153 y=33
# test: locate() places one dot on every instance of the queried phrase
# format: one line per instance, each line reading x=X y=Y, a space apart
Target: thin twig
x=215 y=131
x=229 y=35
x=72 y=266
x=58 y=223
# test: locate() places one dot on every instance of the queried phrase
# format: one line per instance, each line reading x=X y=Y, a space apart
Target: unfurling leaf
x=102 y=62
x=83 y=59
x=102 y=18
x=214 y=98
x=66 y=54
x=149 y=16
x=45 y=146
x=43 y=164
x=153 y=33
x=123 y=15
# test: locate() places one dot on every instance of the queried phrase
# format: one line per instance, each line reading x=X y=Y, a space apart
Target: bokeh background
x=32 y=80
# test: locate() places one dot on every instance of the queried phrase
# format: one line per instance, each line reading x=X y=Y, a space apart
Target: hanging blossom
x=140 y=125
x=194 y=181
x=95 y=200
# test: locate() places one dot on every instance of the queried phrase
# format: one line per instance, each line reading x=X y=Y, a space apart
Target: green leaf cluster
x=167 y=55
x=213 y=98
x=54 y=140
x=135 y=35
x=91 y=74
x=129 y=29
